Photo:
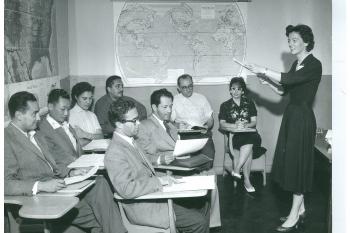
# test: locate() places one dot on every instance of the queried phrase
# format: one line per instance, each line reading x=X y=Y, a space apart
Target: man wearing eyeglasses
x=133 y=175
x=193 y=109
x=114 y=90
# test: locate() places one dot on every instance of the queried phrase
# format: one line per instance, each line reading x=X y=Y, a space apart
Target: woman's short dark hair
x=118 y=109
x=19 y=102
x=79 y=89
x=156 y=95
x=240 y=81
x=305 y=33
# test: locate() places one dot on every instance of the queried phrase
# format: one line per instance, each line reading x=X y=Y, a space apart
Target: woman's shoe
x=249 y=190
x=302 y=217
x=288 y=229
x=236 y=175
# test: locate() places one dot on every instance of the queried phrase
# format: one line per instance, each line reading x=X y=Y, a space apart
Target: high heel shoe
x=236 y=175
x=249 y=190
x=288 y=229
x=302 y=217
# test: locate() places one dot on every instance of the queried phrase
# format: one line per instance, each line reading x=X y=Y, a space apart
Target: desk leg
x=46 y=226
x=14 y=225
x=171 y=216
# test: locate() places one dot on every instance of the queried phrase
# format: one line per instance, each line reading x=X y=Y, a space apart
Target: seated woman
x=236 y=114
x=81 y=118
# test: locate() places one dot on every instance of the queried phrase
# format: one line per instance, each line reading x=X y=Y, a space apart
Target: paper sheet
x=75 y=179
x=98 y=144
x=192 y=183
x=77 y=187
x=88 y=160
x=183 y=147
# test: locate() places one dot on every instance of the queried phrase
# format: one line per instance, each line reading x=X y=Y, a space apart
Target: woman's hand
x=241 y=124
x=256 y=69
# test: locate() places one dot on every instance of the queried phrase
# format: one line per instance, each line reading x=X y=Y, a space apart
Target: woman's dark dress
x=231 y=112
x=294 y=156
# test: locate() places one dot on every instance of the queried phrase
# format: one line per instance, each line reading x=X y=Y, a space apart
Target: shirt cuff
x=35 y=188
x=158 y=160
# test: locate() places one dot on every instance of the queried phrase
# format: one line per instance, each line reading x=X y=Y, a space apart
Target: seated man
x=30 y=168
x=132 y=175
x=62 y=139
x=157 y=137
x=193 y=109
x=114 y=90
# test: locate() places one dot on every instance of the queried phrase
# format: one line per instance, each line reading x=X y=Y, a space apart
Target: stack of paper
x=189 y=183
x=88 y=160
x=99 y=144
x=183 y=147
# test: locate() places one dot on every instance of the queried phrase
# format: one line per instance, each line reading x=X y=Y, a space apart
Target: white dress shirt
x=84 y=119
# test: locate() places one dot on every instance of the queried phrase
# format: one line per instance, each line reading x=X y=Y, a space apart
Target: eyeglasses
x=236 y=88
x=190 y=87
x=131 y=121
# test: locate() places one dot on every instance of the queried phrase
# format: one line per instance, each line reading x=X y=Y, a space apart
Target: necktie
x=167 y=128
x=32 y=140
x=143 y=157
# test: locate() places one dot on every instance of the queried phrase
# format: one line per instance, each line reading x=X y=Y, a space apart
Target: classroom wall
x=91 y=58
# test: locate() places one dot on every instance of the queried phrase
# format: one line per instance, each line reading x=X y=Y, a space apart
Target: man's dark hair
x=118 y=109
x=55 y=95
x=110 y=81
x=156 y=95
x=79 y=89
x=184 y=76
x=19 y=102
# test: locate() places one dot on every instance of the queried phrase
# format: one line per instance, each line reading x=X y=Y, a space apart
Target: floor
x=243 y=213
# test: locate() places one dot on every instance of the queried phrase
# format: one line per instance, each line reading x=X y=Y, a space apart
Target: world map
x=157 y=42
x=30 y=40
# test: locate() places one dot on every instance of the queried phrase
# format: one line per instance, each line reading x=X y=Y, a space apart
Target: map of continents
x=30 y=40
x=200 y=39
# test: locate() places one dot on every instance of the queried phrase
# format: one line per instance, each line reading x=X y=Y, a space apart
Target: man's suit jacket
x=59 y=143
x=154 y=140
x=25 y=164
x=132 y=176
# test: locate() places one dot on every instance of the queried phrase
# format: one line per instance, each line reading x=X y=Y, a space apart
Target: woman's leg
x=246 y=171
x=298 y=200
x=244 y=153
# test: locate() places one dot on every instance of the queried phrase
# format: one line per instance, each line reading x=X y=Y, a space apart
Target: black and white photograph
x=191 y=116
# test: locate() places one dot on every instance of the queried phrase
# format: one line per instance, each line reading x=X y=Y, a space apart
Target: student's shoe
x=249 y=190
x=236 y=175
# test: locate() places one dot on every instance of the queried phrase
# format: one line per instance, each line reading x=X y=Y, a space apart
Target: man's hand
x=167 y=158
x=168 y=180
x=79 y=171
x=51 y=186
x=81 y=133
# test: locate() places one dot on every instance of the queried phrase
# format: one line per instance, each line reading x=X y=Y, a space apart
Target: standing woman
x=84 y=121
x=294 y=156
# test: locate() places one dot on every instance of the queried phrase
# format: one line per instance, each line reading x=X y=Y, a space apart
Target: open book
x=88 y=160
x=76 y=179
x=97 y=145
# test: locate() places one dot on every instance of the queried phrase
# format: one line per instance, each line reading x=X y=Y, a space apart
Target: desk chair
x=40 y=208
x=133 y=228
x=258 y=164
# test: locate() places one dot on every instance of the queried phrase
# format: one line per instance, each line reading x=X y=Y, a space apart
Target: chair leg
x=264 y=177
